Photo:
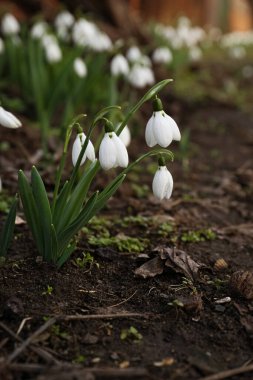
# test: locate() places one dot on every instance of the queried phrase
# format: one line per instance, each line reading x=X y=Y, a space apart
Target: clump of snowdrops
x=55 y=223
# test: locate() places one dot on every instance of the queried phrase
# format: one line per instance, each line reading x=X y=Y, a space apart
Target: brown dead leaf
x=175 y=259
x=151 y=268
x=180 y=262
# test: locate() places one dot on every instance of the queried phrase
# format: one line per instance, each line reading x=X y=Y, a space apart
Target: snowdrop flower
x=1 y=46
x=133 y=54
x=77 y=147
x=163 y=182
x=80 y=67
x=10 y=25
x=53 y=53
x=64 y=19
x=112 y=151
x=141 y=76
x=39 y=30
x=162 y=55
x=48 y=39
x=8 y=120
x=125 y=135
x=161 y=129
x=119 y=65
x=195 y=54
x=102 y=42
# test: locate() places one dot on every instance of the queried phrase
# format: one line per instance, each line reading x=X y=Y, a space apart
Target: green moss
x=5 y=202
x=198 y=236
x=122 y=243
x=139 y=220
x=131 y=334
x=140 y=191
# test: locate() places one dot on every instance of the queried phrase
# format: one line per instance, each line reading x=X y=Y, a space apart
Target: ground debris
x=176 y=259
x=241 y=282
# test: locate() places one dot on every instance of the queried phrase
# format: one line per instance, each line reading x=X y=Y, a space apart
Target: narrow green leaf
x=65 y=255
x=8 y=229
x=69 y=232
x=77 y=198
x=60 y=203
x=54 y=247
x=43 y=207
x=30 y=210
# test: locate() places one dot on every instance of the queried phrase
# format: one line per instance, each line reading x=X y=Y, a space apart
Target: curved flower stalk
x=55 y=224
x=161 y=129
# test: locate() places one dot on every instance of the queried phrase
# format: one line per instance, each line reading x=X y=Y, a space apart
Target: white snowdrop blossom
x=162 y=183
x=141 y=76
x=162 y=55
x=1 y=46
x=86 y=33
x=64 y=20
x=112 y=151
x=125 y=135
x=80 y=68
x=10 y=25
x=53 y=53
x=161 y=129
x=48 y=39
x=195 y=54
x=133 y=54
x=39 y=30
x=8 y=120
x=77 y=147
x=119 y=65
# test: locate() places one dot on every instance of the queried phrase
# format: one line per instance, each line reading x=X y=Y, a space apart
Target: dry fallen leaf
x=175 y=259
x=164 y=362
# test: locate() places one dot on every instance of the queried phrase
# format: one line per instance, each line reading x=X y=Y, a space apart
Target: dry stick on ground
x=29 y=340
x=100 y=316
x=229 y=373
x=38 y=350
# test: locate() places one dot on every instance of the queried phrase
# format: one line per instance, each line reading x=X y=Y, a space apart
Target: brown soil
x=187 y=339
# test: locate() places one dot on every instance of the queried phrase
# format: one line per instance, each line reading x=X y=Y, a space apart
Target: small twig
x=229 y=373
x=29 y=340
x=122 y=302
x=100 y=316
x=22 y=324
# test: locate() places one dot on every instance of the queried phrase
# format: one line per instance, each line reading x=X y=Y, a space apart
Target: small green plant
x=6 y=234
x=198 y=236
x=56 y=330
x=165 y=229
x=131 y=334
x=140 y=191
x=54 y=224
x=80 y=359
x=48 y=291
x=121 y=242
x=87 y=260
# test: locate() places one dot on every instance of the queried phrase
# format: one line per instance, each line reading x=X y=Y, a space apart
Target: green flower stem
x=149 y=95
x=63 y=159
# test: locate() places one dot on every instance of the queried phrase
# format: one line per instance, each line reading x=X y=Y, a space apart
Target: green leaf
x=65 y=255
x=68 y=233
x=43 y=207
x=60 y=203
x=8 y=229
x=30 y=210
x=54 y=247
x=77 y=198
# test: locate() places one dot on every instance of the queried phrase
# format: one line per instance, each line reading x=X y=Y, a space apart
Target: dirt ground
x=99 y=318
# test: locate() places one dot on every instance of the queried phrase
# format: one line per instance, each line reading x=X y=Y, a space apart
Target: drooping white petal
x=90 y=151
x=149 y=135
x=125 y=136
x=175 y=130
x=8 y=120
x=169 y=186
x=121 y=151
x=162 y=129
x=77 y=146
x=162 y=183
x=107 y=152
